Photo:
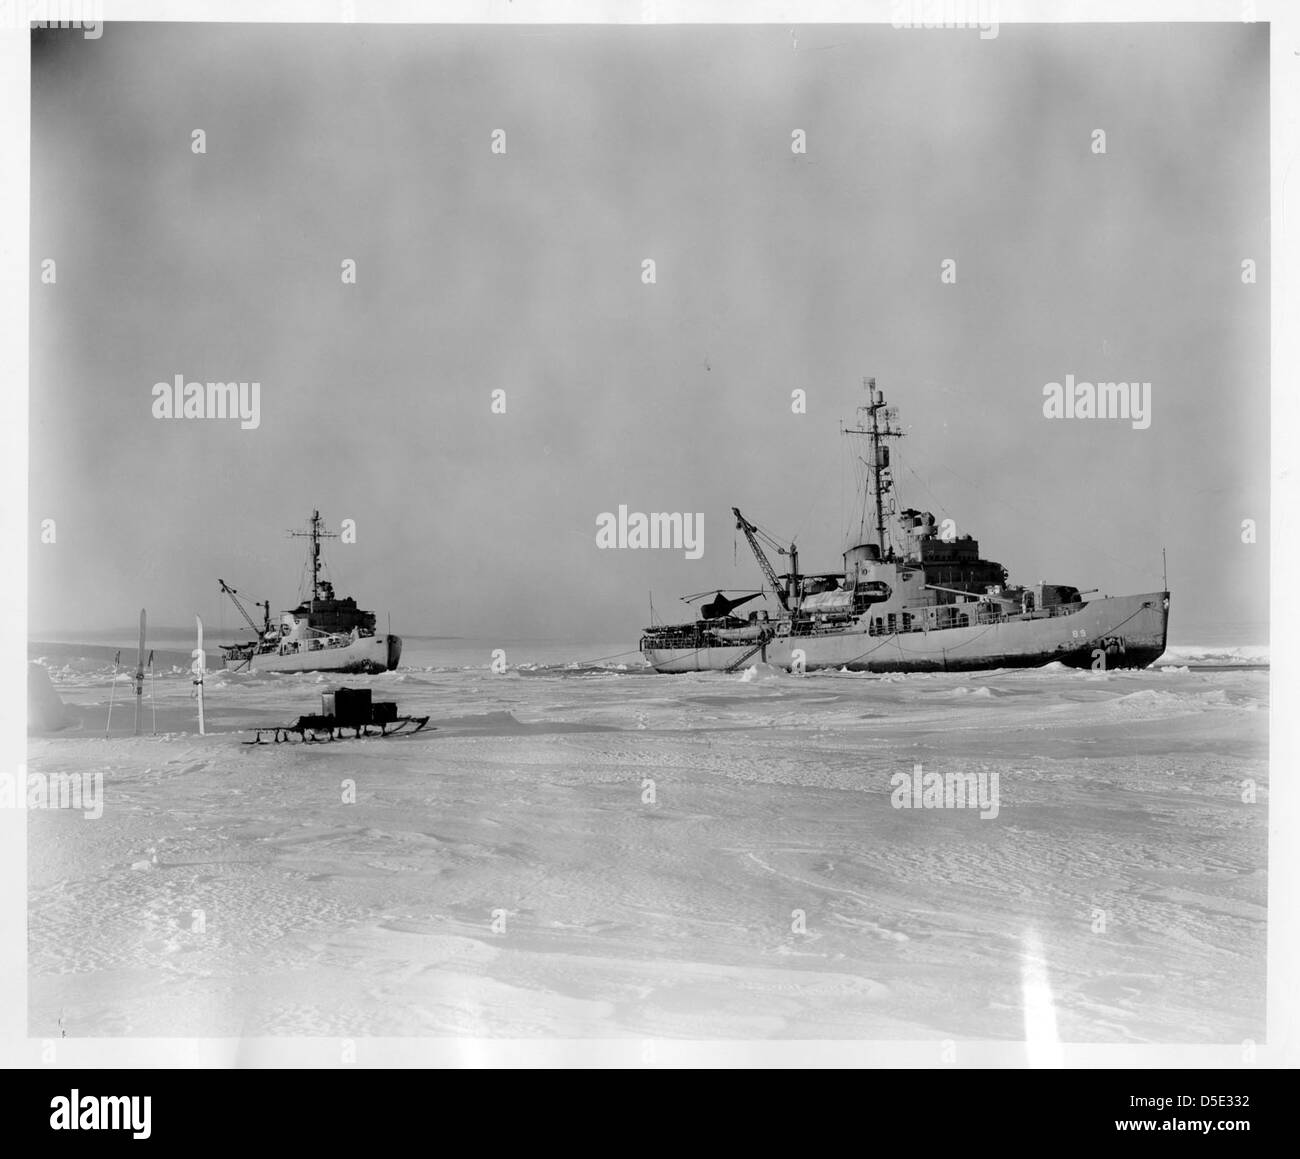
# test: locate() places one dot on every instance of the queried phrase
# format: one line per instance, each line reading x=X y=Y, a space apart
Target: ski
x=112 y=692
x=153 y=704
x=200 y=663
x=139 y=676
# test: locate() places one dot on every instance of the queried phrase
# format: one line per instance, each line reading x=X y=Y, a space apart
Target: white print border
x=16 y=1049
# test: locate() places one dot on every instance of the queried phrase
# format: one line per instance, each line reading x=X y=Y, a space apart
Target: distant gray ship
x=322 y=634
x=933 y=605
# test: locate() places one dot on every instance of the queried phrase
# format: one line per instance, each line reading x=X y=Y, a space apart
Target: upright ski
x=200 y=663
x=112 y=692
x=139 y=676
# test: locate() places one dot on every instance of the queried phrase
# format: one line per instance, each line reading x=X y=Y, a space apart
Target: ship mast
x=877 y=422
x=315 y=534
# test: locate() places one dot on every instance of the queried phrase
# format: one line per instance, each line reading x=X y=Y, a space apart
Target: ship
x=323 y=633
x=922 y=599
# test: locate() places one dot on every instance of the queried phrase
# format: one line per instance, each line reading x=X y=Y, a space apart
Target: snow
x=1209 y=654
x=607 y=852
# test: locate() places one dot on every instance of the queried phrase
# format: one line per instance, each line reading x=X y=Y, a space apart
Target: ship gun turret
x=996 y=598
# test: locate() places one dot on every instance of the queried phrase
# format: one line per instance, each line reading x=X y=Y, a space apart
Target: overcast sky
x=523 y=272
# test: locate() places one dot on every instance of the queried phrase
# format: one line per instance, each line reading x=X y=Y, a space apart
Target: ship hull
x=1113 y=632
x=369 y=654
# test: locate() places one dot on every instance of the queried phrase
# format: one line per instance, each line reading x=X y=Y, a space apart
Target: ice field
x=590 y=851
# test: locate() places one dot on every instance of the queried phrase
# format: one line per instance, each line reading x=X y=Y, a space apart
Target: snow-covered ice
x=581 y=852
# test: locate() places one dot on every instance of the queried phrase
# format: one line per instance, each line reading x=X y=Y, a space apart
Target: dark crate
x=383 y=712
x=348 y=706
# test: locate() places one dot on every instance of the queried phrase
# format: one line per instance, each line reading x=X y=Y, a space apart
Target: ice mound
x=1206 y=654
x=762 y=671
x=1150 y=696
x=45 y=711
x=1151 y=702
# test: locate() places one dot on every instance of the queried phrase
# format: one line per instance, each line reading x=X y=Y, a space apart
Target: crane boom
x=234 y=599
x=743 y=524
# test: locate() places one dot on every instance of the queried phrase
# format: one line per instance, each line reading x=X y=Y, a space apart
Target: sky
x=522 y=271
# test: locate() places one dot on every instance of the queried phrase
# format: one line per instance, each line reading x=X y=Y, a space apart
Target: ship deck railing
x=311 y=633
x=967 y=620
x=695 y=637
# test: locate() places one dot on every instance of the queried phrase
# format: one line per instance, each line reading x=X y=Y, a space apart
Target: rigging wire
x=818 y=489
x=1038 y=521
x=711 y=591
x=843 y=529
x=933 y=497
x=769 y=539
x=1000 y=501
x=598 y=659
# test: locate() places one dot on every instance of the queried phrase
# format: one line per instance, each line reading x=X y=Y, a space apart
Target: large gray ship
x=930 y=603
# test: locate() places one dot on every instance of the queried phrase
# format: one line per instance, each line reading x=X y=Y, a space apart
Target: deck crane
x=753 y=534
x=234 y=599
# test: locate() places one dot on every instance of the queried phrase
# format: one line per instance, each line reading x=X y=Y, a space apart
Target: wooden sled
x=344 y=710
x=323 y=729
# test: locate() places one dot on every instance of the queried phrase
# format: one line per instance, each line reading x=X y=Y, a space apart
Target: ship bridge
x=948 y=561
